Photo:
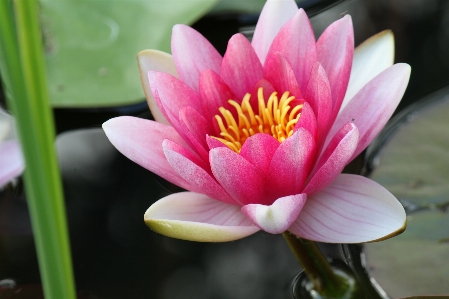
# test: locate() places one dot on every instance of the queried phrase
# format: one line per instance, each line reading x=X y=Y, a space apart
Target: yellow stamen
x=276 y=117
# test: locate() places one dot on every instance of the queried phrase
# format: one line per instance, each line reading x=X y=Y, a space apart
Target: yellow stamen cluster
x=276 y=117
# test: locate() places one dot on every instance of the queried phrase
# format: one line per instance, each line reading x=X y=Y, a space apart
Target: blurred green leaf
x=415 y=262
x=247 y=6
x=91 y=46
x=414 y=164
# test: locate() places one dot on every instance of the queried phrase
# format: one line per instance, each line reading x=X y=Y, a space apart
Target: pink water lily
x=259 y=137
x=11 y=159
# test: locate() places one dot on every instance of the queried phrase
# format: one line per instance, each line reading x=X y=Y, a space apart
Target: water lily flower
x=259 y=137
x=11 y=159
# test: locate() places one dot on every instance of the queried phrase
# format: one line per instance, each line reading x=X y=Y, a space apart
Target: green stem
x=317 y=268
x=23 y=72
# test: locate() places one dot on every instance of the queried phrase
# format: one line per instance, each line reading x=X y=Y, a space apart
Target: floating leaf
x=414 y=263
x=91 y=46
x=414 y=162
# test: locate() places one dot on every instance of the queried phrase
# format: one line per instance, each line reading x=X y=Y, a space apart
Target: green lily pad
x=91 y=46
x=414 y=162
x=247 y=6
x=415 y=262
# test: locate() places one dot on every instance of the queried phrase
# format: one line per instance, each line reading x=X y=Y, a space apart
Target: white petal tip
x=393 y=234
x=111 y=124
x=278 y=217
x=199 y=232
x=197 y=217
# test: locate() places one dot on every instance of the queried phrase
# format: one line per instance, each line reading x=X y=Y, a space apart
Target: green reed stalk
x=23 y=72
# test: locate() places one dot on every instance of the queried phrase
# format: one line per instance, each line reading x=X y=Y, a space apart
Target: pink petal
x=352 y=209
x=335 y=49
x=194 y=171
x=241 y=69
x=169 y=146
x=214 y=94
x=318 y=95
x=172 y=95
x=243 y=181
x=279 y=72
x=259 y=149
x=370 y=58
x=273 y=16
x=307 y=120
x=196 y=128
x=296 y=41
x=193 y=54
x=154 y=60
x=276 y=218
x=141 y=141
x=197 y=217
x=290 y=165
x=11 y=161
x=373 y=105
x=213 y=143
x=334 y=158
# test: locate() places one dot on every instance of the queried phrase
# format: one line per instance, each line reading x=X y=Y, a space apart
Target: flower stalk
x=325 y=280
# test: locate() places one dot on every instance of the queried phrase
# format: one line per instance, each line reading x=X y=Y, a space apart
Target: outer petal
x=140 y=140
x=335 y=49
x=193 y=54
x=296 y=41
x=242 y=180
x=241 y=69
x=171 y=95
x=334 y=158
x=374 y=104
x=290 y=165
x=197 y=217
x=194 y=171
x=370 y=58
x=259 y=149
x=278 y=217
x=279 y=72
x=274 y=14
x=154 y=60
x=11 y=161
x=353 y=209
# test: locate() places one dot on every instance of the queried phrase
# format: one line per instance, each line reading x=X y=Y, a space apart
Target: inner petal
x=275 y=116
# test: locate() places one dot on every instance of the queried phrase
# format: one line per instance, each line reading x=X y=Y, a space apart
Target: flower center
x=276 y=117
